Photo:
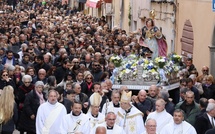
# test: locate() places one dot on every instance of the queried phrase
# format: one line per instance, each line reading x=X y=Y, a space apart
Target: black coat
x=60 y=73
x=85 y=89
x=209 y=91
x=9 y=126
x=31 y=104
x=68 y=105
x=210 y=131
x=144 y=106
x=4 y=83
x=21 y=93
x=202 y=124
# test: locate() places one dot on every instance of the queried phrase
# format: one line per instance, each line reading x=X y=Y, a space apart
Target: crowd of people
x=55 y=74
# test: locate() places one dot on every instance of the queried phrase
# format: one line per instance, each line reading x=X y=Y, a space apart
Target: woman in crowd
x=32 y=102
x=209 y=87
x=25 y=88
x=8 y=110
x=5 y=80
x=87 y=84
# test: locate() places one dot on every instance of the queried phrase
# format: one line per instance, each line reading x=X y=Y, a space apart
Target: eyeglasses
x=151 y=126
x=89 y=78
x=76 y=62
x=111 y=119
x=5 y=75
x=96 y=65
x=205 y=70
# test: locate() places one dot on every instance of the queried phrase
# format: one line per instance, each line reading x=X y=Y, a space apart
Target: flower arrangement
x=136 y=71
x=116 y=60
x=175 y=58
x=160 y=61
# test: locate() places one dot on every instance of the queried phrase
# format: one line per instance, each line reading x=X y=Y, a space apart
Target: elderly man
x=160 y=115
x=169 y=106
x=129 y=117
x=144 y=104
x=80 y=97
x=87 y=61
x=190 y=107
x=112 y=128
x=76 y=121
x=151 y=126
x=205 y=72
x=41 y=76
x=95 y=116
x=178 y=126
x=206 y=121
x=153 y=92
x=49 y=115
x=114 y=104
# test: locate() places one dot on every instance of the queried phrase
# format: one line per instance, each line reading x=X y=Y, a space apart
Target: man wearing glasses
x=96 y=71
x=150 y=126
x=205 y=72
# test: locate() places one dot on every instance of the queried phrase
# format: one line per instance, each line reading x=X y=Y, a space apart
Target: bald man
x=153 y=92
x=144 y=104
x=87 y=61
x=41 y=76
x=100 y=130
x=160 y=115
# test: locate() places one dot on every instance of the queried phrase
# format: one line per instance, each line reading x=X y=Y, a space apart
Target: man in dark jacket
x=41 y=64
x=67 y=103
x=61 y=71
x=96 y=71
x=206 y=121
x=144 y=104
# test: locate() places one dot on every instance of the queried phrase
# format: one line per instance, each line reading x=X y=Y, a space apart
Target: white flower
x=127 y=71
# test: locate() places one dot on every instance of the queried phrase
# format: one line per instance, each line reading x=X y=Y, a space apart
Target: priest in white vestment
x=109 y=124
x=49 y=115
x=94 y=115
x=76 y=121
x=129 y=117
x=114 y=104
x=178 y=126
x=150 y=126
x=160 y=115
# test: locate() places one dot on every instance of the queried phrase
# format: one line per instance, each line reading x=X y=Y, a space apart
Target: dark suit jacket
x=211 y=131
x=202 y=124
x=90 y=65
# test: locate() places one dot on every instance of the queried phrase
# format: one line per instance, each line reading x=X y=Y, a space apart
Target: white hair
x=26 y=77
x=211 y=106
x=39 y=83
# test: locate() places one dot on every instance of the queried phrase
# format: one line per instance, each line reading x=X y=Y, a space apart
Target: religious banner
x=93 y=3
x=108 y=1
x=64 y=1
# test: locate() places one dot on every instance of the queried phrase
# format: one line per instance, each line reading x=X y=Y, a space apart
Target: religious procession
x=67 y=72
